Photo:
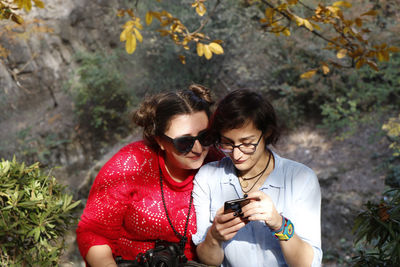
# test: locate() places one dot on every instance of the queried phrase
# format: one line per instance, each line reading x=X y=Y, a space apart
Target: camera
x=165 y=254
x=235 y=205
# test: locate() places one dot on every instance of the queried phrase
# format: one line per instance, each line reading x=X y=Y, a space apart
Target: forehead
x=187 y=124
x=247 y=131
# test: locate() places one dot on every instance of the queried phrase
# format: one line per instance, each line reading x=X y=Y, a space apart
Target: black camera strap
x=183 y=238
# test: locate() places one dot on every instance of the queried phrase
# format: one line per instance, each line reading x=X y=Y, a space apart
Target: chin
x=194 y=165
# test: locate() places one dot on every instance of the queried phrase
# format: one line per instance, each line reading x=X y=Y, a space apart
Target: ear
x=160 y=142
x=267 y=134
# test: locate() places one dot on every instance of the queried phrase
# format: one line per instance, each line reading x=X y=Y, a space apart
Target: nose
x=236 y=153
x=197 y=147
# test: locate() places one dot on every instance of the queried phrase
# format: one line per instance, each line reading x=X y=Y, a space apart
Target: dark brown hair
x=156 y=112
x=242 y=106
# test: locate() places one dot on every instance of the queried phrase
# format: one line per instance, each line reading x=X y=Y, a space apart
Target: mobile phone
x=235 y=205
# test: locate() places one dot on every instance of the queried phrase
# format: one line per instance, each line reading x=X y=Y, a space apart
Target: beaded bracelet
x=288 y=230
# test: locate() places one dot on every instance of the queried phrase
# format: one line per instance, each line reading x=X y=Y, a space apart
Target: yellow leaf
x=360 y=63
x=292 y=2
x=299 y=21
x=207 y=52
x=200 y=49
x=218 y=41
x=333 y=9
x=373 y=65
x=130 y=45
x=308 y=25
x=380 y=56
x=39 y=3
x=342 y=3
x=195 y=4
x=325 y=68
x=216 y=48
x=201 y=9
x=370 y=13
x=149 y=18
x=286 y=32
x=27 y=4
x=122 y=36
x=386 y=55
x=269 y=13
x=308 y=74
x=359 y=22
x=128 y=24
x=17 y=19
x=342 y=53
x=138 y=35
x=394 y=49
x=316 y=26
x=182 y=58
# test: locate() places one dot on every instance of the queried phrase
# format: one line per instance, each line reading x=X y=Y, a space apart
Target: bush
x=99 y=94
x=35 y=214
x=377 y=231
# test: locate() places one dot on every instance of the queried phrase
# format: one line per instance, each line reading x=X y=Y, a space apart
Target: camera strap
x=183 y=238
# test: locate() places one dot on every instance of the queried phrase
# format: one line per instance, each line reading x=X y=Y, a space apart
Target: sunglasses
x=184 y=144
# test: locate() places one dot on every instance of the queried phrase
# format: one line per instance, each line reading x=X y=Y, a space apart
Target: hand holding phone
x=235 y=205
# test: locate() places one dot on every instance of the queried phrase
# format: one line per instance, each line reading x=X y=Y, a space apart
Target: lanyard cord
x=183 y=238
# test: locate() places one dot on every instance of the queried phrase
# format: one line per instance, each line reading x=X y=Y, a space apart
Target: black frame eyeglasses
x=184 y=144
x=244 y=148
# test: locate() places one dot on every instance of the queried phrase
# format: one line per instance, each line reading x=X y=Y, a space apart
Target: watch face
x=290 y=229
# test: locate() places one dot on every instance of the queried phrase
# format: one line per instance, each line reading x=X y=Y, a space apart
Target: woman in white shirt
x=280 y=224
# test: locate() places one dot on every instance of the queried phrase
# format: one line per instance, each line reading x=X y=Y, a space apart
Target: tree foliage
x=345 y=31
x=9 y=9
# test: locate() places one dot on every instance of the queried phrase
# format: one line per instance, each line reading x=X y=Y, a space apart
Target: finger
x=228 y=233
x=257 y=195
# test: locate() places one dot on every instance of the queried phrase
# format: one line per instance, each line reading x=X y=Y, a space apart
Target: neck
x=261 y=166
x=177 y=174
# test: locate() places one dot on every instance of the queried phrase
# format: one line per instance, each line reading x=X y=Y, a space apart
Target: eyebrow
x=241 y=139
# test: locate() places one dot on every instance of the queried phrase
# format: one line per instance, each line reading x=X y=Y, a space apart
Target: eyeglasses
x=184 y=144
x=245 y=148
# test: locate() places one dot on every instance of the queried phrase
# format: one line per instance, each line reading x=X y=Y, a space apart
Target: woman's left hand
x=261 y=208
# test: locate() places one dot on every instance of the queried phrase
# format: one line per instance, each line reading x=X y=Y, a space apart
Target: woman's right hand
x=225 y=226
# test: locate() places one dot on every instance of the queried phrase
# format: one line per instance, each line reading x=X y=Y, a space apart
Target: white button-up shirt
x=295 y=191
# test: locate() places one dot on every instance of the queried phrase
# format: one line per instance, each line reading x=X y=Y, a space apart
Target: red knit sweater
x=125 y=211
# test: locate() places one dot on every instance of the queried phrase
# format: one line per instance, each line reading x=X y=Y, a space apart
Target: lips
x=238 y=161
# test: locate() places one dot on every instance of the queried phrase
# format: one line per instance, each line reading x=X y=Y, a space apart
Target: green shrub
x=99 y=94
x=377 y=232
x=35 y=214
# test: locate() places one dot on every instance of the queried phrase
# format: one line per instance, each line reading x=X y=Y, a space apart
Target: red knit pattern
x=125 y=211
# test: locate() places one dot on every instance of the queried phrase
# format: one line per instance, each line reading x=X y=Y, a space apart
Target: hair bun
x=144 y=116
x=202 y=92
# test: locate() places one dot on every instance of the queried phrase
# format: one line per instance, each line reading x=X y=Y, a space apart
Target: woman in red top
x=125 y=213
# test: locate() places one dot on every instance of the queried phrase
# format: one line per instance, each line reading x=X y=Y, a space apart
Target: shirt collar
x=273 y=180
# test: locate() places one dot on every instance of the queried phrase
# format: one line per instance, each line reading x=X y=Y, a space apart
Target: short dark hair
x=242 y=106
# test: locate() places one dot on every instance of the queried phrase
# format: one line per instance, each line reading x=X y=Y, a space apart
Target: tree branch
x=289 y=18
x=205 y=21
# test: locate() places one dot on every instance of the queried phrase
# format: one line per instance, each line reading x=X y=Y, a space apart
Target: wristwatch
x=287 y=230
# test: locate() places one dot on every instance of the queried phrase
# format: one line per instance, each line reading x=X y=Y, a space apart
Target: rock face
x=36 y=108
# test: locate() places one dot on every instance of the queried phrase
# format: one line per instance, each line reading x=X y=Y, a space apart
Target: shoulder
x=134 y=157
x=294 y=170
x=216 y=169
x=134 y=153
